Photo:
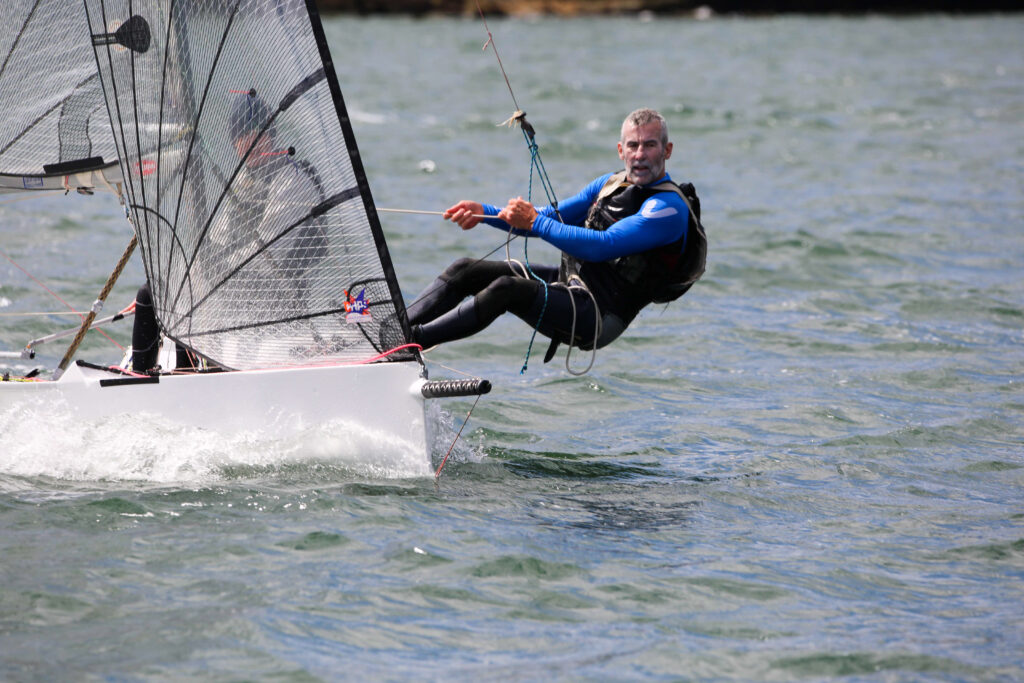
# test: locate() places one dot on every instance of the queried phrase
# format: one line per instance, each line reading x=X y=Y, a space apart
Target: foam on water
x=50 y=442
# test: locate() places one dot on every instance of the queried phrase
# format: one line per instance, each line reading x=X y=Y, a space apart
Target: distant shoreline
x=569 y=8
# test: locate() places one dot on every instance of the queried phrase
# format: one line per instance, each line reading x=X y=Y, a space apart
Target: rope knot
x=519 y=119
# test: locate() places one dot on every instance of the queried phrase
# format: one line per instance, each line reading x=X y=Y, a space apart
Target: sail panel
x=54 y=120
x=255 y=221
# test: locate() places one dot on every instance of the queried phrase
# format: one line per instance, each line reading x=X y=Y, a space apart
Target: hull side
x=382 y=398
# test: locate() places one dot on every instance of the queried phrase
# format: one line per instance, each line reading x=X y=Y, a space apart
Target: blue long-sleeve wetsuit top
x=662 y=219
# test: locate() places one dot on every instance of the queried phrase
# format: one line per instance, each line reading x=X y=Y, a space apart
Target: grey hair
x=643 y=117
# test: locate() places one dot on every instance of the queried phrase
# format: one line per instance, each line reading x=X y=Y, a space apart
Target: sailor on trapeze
x=629 y=237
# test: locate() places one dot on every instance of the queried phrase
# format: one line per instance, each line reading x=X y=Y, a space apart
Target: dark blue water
x=809 y=468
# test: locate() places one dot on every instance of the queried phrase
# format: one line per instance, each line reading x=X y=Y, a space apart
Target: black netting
x=253 y=219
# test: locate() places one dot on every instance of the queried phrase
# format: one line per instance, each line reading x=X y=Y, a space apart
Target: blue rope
x=534 y=162
x=543 y=309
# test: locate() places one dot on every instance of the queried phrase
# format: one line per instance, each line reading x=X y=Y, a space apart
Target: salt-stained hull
x=382 y=398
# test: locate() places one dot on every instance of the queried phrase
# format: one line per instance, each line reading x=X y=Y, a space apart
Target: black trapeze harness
x=627 y=284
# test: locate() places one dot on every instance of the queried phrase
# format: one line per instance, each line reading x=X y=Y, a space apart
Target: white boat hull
x=381 y=397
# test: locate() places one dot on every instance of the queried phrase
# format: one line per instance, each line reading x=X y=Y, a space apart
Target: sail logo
x=144 y=167
x=357 y=310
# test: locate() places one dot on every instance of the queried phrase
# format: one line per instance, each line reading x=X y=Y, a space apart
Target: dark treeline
x=581 y=7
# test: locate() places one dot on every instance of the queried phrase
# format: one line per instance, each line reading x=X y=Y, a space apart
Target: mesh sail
x=53 y=120
x=254 y=217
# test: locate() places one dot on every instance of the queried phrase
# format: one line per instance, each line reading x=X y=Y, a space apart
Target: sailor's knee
x=611 y=327
x=502 y=286
x=457 y=268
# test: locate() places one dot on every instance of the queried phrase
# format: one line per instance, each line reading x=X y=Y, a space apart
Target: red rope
x=33 y=278
x=57 y=297
x=388 y=353
x=440 y=467
x=331 y=363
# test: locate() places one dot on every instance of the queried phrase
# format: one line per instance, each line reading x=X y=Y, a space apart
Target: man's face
x=641 y=150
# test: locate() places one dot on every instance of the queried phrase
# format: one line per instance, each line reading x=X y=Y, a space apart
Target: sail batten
x=257 y=229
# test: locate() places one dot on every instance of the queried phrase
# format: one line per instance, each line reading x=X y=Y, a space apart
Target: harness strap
x=672 y=187
x=615 y=182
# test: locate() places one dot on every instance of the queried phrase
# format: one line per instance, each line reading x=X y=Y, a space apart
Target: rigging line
x=120 y=142
x=533 y=156
x=572 y=334
x=33 y=278
x=528 y=269
x=542 y=173
x=138 y=135
x=95 y=325
x=529 y=136
x=494 y=46
x=426 y=213
x=510 y=236
x=15 y=314
x=543 y=310
x=389 y=352
x=185 y=78
x=55 y=295
x=176 y=245
x=503 y=245
x=269 y=323
x=290 y=319
x=520 y=117
x=32 y=195
x=437 y=474
x=451 y=369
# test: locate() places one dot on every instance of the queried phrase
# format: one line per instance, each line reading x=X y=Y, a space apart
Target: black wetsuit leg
x=438 y=316
x=145 y=332
x=465 y=277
